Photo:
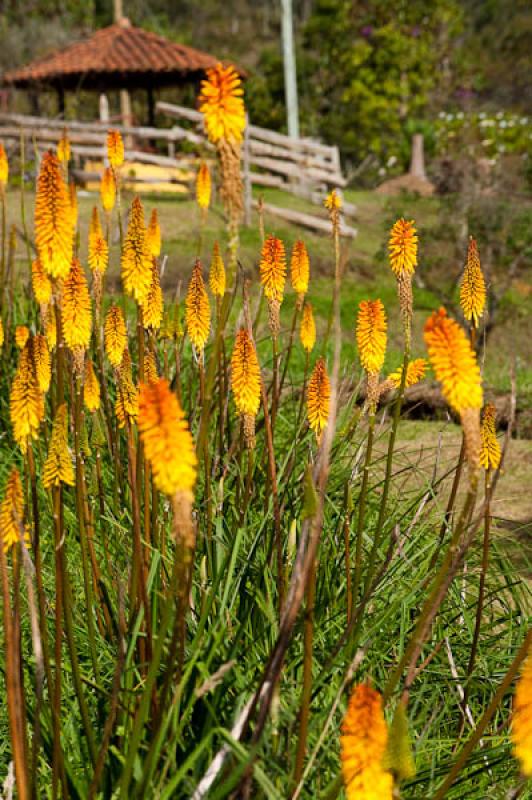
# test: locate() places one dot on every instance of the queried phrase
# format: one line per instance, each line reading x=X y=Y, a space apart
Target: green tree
x=369 y=66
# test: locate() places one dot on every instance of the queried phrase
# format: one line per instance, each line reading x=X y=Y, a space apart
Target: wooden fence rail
x=301 y=166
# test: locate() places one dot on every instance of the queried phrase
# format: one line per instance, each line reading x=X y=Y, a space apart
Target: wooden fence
x=301 y=166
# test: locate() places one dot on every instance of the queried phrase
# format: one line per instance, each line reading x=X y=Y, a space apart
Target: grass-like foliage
x=210 y=546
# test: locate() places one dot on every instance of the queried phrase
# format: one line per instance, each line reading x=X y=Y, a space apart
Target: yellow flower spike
x=91 y=388
x=115 y=335
x=54 y=232
x=76 y=313
x=1 y=333
x=73 y=197
x=127 y=395
x=333 y=202
x=273 y=268
x=197 y=309
x=246 y=383
x=455 y=366
x=217 y=272
x=402 y=247
x=41 y=283
x=414 y=374
x=307 y=330
x=115 y=149
x=98 y=248
x=42 y=361
x=490 y=449
x=363 y=745
x=371 y=335
x=50 y=327
x=203 y=186
x=166 y=438
x=108 y=190
x=472 y=287
x=4 y=167
x=12 y=512
x=522 y=718
x=63 y=148
x=300 y=268
x=318 y=398
x=22 y=334
x=153 y=235
x=152 y=308
x=222 y=105
x=453 y=361
x=26 y=403
x=245 y=374
x=150 y=368
x=58 y=467
x=136 y=256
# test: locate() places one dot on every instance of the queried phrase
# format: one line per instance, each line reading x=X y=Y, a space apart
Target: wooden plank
x=306 y=220
x=265 y=149
x=295 y=171
x=142 y=132
x=264 y=134
x=263 y=179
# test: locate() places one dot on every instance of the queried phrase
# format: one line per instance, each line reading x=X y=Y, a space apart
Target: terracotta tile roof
x=116 y=53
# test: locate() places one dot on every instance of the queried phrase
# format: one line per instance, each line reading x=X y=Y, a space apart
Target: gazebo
x=119 y=57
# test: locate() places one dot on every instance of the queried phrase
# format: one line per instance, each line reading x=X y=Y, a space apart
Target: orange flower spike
x=522 y=718
x=136 y=256
x=22 y=334
x=318 y=398
x=108 y=190
x=42 y=361
x=363 y=744
x=152 y=308
x=41 y=283
x=26 y=404
x=58 y=467
x=115 y=335
x=490 y=449
x=473 y=287
x=245 y=375
x=414 y=374
x=197 y=309
x=76 y=313
x=273 y=268
x=371 y=335
x=115 y=149
x=222 y=105
x=166 y=438
x=91 y=389
x=12 y=511
x=4 y=168
x=453 y=361
x=300 y=268
x=54 y=232
x=307 y=331
x=153 y=235
x=217 y=272
x=63 y=148
x=402 y=247
x=203 y=186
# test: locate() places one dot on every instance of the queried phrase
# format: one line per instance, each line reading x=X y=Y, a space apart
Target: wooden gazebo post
x=125 y=102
